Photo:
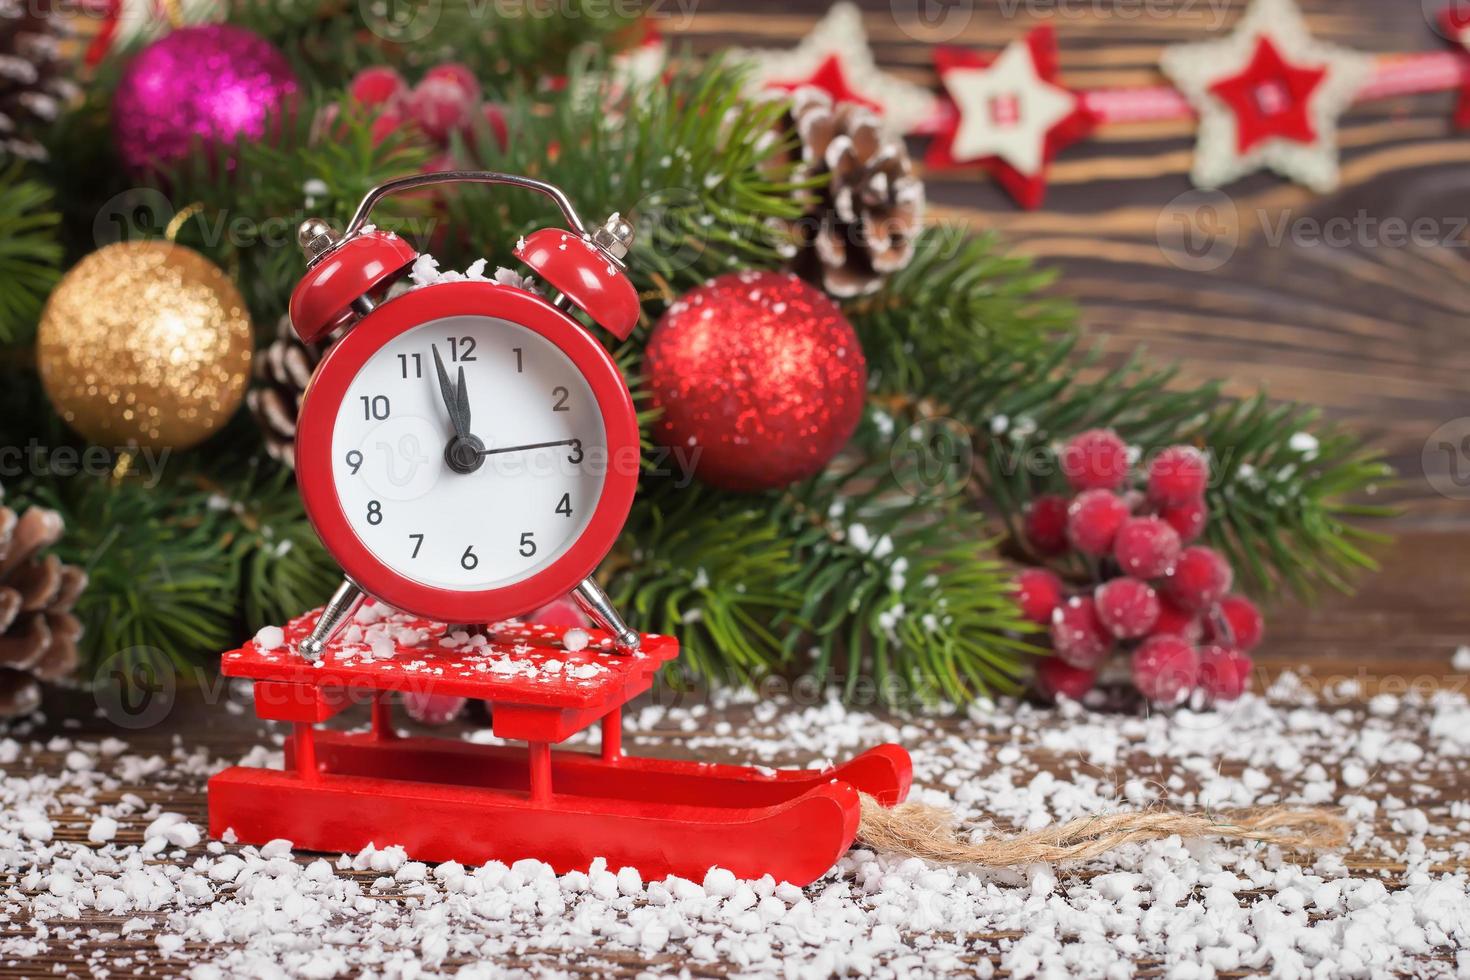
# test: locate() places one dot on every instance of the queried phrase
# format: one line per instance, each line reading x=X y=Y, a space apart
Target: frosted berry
x=1165 y=669
x=1093 y=520
x=1201 y=577
x=1128 y=607
x=1038 y=593
x=1146 y=547
x=458 y=75
x=1224 y=673
x=1177 y=476
x=432 y=709
x=1077 y=635
x=440 y=105
x=1188 y=519
x=1046 y=524
x=1055 y=677
x=1174 y=621
x=1095 y=460
x=377 y=86
x=1235 y=622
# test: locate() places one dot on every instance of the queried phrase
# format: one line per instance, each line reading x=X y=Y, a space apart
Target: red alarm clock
x=467 y=451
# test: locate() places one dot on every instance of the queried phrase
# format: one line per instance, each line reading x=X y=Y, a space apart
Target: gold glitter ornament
x=146 y=344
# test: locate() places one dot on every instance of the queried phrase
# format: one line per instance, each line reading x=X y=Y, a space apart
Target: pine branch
x=160 y=577
x=1285 y=493
x=705 y=566
x=698 y=166
x=30 y=252
x=281 y=566
x=323 y=161
x=846 y=578
x=899 y=588
x=960 y=335
x=959 y=304
x=329 y=40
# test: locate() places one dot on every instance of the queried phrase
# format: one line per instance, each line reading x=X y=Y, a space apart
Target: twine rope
x=929 y=832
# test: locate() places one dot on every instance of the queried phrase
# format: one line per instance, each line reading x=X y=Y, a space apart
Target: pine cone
x=33 y=86
x=281 y=373
x=862 y=225
x=38 y=633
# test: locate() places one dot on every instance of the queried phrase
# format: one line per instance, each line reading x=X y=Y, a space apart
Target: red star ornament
x=835 y=57
x=1270 y=98
x=1008 y=114
x=830 y=78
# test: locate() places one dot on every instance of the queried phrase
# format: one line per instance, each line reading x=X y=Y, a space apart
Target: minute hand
x=533 y=445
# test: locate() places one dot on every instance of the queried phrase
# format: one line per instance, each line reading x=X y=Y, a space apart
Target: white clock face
x=532 y=489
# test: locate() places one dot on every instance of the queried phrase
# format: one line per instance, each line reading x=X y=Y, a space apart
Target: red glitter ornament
x=759 y=380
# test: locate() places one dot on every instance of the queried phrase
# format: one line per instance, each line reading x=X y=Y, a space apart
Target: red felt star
x=1271 y=98
x=832 y=79
x=1028 y=190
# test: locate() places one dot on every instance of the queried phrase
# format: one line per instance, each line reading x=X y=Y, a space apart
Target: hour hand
x=452 y=399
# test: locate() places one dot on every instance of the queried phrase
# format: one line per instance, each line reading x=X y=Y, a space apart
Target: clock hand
x=462 y=404
x=450 y=396
x=533 y=445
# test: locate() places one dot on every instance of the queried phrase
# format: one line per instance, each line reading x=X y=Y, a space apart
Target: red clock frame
x=323 y=398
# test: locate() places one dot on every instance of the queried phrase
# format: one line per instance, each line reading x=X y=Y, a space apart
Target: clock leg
x=599 y=608
x=337 y=612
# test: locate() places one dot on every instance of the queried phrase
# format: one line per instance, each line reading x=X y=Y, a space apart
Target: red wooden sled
x=444 y=799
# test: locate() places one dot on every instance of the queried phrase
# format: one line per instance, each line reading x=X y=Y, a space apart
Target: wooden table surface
x=1375 y=333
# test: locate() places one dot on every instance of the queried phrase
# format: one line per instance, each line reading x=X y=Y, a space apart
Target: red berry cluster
x=445 y=102
x=1159 y=596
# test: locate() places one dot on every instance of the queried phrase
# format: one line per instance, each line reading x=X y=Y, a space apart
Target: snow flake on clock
x=1268 y=97
x=1008 y=114
x=835 y=57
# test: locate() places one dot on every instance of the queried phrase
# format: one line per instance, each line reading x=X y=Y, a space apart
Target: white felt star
x=1195 y=68
x=840 y=37
x=1007 y=109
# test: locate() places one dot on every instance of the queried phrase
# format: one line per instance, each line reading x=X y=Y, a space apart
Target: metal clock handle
x=613 y=236
x=391 y=187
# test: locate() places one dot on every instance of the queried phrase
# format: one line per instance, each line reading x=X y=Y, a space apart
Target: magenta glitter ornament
x=209 y=83
x=761 y=374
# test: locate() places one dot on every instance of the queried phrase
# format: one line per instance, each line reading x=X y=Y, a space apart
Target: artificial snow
x=1461 y=660
x=85 y=860
x=270 y=638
